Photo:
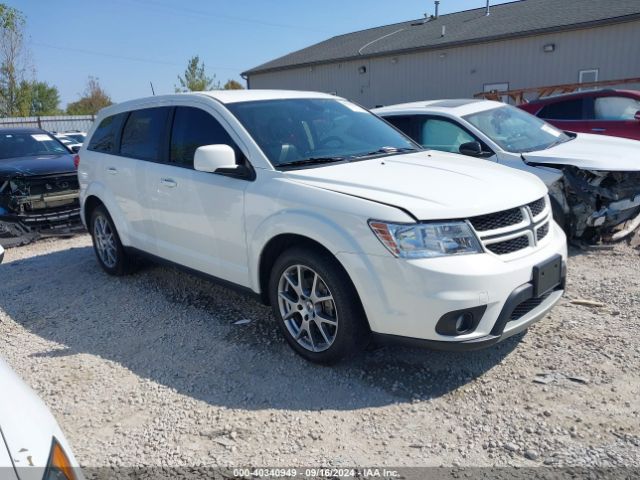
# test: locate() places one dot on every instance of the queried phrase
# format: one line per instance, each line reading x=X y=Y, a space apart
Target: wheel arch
x=97 y=194
x=90 y=204
x=277 y=245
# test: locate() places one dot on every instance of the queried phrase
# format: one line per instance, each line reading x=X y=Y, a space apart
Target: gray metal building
x=527 y=43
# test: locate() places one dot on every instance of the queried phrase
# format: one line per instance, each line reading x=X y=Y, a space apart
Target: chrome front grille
x=515 y=230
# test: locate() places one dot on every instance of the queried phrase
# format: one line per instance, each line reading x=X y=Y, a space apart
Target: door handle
x=168 y=182
x=598 y=129
x=112 y=170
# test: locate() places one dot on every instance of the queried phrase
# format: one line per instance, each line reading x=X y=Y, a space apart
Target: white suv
x=340 y=222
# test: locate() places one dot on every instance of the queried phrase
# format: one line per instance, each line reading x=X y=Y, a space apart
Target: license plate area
x=547 y=276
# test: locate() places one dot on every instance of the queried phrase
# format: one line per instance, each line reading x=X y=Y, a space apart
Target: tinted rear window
x=143 y=134
x=404 y=124
x=567 y=110
x=104 y=138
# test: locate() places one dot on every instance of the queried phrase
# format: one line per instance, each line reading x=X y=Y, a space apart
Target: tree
x=38 y=98
x=195 y=79
x=233 y=85
x=93 y=99
x=12 y=60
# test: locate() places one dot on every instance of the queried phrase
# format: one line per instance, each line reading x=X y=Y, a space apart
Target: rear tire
x=317 y=307
x=107 y=245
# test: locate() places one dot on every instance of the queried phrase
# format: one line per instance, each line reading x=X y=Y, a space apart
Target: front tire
x=107 y=245
x=316 y=306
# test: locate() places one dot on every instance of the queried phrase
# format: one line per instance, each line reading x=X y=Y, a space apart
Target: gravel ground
x=152 y=370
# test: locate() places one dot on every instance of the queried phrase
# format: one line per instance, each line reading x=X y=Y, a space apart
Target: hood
x=592 y=152
x=36 y=165
x=430 y=185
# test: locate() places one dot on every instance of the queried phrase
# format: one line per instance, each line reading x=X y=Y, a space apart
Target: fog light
x=460 y=322
x=464 y=323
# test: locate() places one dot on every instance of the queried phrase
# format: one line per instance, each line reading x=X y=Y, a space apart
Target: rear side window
x=616 y=108
x=194 y=128
x=104 y=138
x=143 y=134
x=567 y=110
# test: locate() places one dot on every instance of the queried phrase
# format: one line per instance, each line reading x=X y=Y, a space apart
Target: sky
x=129 y=43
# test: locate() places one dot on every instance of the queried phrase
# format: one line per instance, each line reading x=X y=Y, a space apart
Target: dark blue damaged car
x=38 y=187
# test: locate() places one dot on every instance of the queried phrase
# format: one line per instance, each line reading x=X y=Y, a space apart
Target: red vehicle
x=603 y=112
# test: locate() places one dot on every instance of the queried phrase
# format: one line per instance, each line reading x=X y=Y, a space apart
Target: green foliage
x=12 y=55
x=195 y=79
x=233 y=85
x=18 y=95
x=93 y=100
x=11 y=19
x=39 y=98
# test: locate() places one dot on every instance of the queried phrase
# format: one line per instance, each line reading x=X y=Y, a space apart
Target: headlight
x=426 y=240
x=59 y=467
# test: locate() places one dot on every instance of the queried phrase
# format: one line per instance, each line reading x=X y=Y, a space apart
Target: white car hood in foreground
x=27 y=427
x=592 y=152
x=430 y=185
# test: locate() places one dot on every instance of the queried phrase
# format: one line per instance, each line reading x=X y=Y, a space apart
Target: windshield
x=13 y=145
x=297 y=131
x=515 y=130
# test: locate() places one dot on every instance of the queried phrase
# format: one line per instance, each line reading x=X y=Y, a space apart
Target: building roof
x=519 y=18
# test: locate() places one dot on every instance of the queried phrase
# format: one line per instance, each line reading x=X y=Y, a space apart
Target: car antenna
x=152 y=90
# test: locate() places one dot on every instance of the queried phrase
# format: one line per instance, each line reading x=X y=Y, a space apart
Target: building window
x=497 y=87
x=588 y=76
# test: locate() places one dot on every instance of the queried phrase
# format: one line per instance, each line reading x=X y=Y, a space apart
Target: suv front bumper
x=405 y=299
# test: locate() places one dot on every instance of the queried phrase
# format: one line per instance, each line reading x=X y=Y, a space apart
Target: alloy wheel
x=105 y=241
x=307 y=308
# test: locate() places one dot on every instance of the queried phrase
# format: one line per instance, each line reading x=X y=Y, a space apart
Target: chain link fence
x=54 y=123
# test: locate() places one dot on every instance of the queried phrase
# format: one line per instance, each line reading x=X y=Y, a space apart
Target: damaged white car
x=594 y=181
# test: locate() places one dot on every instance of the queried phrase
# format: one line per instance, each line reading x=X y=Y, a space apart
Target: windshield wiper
x=385 y=151
x=311 y=161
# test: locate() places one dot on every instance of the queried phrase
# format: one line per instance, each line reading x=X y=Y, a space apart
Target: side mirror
x=472 y=149
x=76 y=148
x=637 y=115
x=211 y=158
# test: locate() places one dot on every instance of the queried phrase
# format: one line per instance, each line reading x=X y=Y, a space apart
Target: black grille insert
x=543 y=231
x=527 y=306
x=509 y=246
x=538 y=207
x=494 y=221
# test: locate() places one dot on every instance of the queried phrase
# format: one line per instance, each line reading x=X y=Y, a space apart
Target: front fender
x=320 y=228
